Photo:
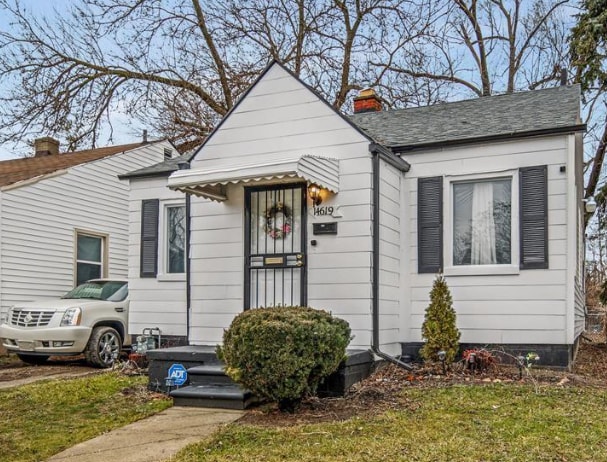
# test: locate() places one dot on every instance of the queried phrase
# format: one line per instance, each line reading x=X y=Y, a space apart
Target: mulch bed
x=382 y=390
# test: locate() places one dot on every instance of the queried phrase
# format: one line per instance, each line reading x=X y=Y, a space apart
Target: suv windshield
x=113 y=291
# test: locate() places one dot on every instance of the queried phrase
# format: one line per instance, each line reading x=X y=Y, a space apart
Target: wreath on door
x=278 y=221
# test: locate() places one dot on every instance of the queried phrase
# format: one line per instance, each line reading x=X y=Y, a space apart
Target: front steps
x=207 y=385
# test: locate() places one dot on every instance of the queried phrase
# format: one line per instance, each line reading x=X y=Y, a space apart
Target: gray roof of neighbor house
x=517 y=114
x=164 y=168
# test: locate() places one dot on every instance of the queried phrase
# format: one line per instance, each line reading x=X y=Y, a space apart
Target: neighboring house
x=64 y=217
x=291 y=203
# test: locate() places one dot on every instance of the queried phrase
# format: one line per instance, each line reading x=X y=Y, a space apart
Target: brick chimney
x=367 y=101
x=46 y=146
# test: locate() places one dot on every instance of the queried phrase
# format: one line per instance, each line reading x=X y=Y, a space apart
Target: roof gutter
x=486 y=139
x=128 y=176
x=380 y=153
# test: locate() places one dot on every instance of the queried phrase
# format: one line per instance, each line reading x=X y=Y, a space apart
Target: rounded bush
x=283 y=353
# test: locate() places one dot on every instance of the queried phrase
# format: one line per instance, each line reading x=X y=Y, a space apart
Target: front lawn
x=44 y=418
x=495 y=422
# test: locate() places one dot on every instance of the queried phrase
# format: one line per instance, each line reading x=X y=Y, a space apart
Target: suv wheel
x=32 y=359
x=104 y=347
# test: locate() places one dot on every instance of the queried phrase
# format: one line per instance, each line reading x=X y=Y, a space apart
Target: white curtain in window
x=483 y=225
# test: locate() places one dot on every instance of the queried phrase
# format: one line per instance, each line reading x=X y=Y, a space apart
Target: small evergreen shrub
x=439 y=328
x=283 y=353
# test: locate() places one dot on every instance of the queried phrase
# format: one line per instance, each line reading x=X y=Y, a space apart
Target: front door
x=275 y=242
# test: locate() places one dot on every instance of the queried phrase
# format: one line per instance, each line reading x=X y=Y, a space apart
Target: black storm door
x=275 y=242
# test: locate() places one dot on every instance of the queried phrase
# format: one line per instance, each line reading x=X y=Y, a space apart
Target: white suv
x=91 y=319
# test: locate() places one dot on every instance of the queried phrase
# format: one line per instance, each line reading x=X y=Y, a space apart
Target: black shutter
x=430 y=224
x=149 y=238
x=533 y=186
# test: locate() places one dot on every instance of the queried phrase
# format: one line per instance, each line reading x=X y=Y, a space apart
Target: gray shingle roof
x=491 y=116
x=161 y=169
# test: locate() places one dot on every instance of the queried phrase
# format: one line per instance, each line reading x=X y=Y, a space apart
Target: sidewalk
x=154 y=439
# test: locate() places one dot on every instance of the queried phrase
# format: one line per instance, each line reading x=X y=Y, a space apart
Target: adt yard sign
x=178 y=373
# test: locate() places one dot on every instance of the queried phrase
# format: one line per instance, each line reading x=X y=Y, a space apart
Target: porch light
x=314 y=191
x=590 y=205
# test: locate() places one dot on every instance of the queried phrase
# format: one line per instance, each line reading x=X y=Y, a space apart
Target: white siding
x=217 y=268
x=390 y=263
x=161 y=301
x=39 y=220
x=281 y=118
x=528 y=307
x=577 y=244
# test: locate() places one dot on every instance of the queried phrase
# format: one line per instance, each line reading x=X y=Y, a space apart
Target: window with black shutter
x=480 y=236
x=149 y=238
x=534 y=217
x=430 y=224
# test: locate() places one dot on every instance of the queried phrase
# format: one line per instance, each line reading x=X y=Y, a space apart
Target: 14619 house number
x=322 y=211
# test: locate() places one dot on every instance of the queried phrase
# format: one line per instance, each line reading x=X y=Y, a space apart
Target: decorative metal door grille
x=275 y=233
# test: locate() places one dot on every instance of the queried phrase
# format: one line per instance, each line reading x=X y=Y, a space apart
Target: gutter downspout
x=379 y=152
x=188 y=291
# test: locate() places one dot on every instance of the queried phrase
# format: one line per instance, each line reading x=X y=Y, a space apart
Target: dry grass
x=396 y=415
x=44 y=418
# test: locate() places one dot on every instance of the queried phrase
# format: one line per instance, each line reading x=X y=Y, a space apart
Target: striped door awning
x=210 y=183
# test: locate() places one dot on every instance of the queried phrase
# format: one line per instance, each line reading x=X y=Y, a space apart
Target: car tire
x=32 y=359
x=103 y=348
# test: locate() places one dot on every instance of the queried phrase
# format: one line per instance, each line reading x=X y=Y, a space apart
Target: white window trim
x=104 y=252
x=480 y=270
x=163 y=274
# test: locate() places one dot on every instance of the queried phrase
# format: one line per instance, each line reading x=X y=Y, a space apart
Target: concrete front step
x=209 y=374
x=214 y=396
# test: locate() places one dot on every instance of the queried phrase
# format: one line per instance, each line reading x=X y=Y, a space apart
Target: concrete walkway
x=154 y=439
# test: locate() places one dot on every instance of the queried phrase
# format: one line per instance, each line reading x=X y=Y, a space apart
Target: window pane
x=86 y=271
x=176 y=239
x=502 y=214
x=462 y=223
x=482 y=222
x=89 y=248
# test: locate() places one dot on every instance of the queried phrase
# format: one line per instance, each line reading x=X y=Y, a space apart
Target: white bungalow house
x=292 y=203
x=64 y=217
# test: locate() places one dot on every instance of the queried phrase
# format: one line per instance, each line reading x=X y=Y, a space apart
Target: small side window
x=90 y=251
x=175 y=240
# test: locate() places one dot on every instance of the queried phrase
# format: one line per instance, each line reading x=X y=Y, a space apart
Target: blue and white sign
x=179 y=374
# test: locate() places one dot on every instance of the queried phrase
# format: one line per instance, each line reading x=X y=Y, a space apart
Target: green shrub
x=439 y=328
x=283 y=353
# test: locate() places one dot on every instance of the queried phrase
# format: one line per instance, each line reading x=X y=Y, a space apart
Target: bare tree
x=483 y=47
x=69 y=73
x=178 y=66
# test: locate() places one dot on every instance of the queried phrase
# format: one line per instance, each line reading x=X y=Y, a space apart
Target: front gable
x=278 y=117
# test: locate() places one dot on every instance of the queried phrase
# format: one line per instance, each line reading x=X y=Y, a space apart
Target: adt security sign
x=179 y=374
